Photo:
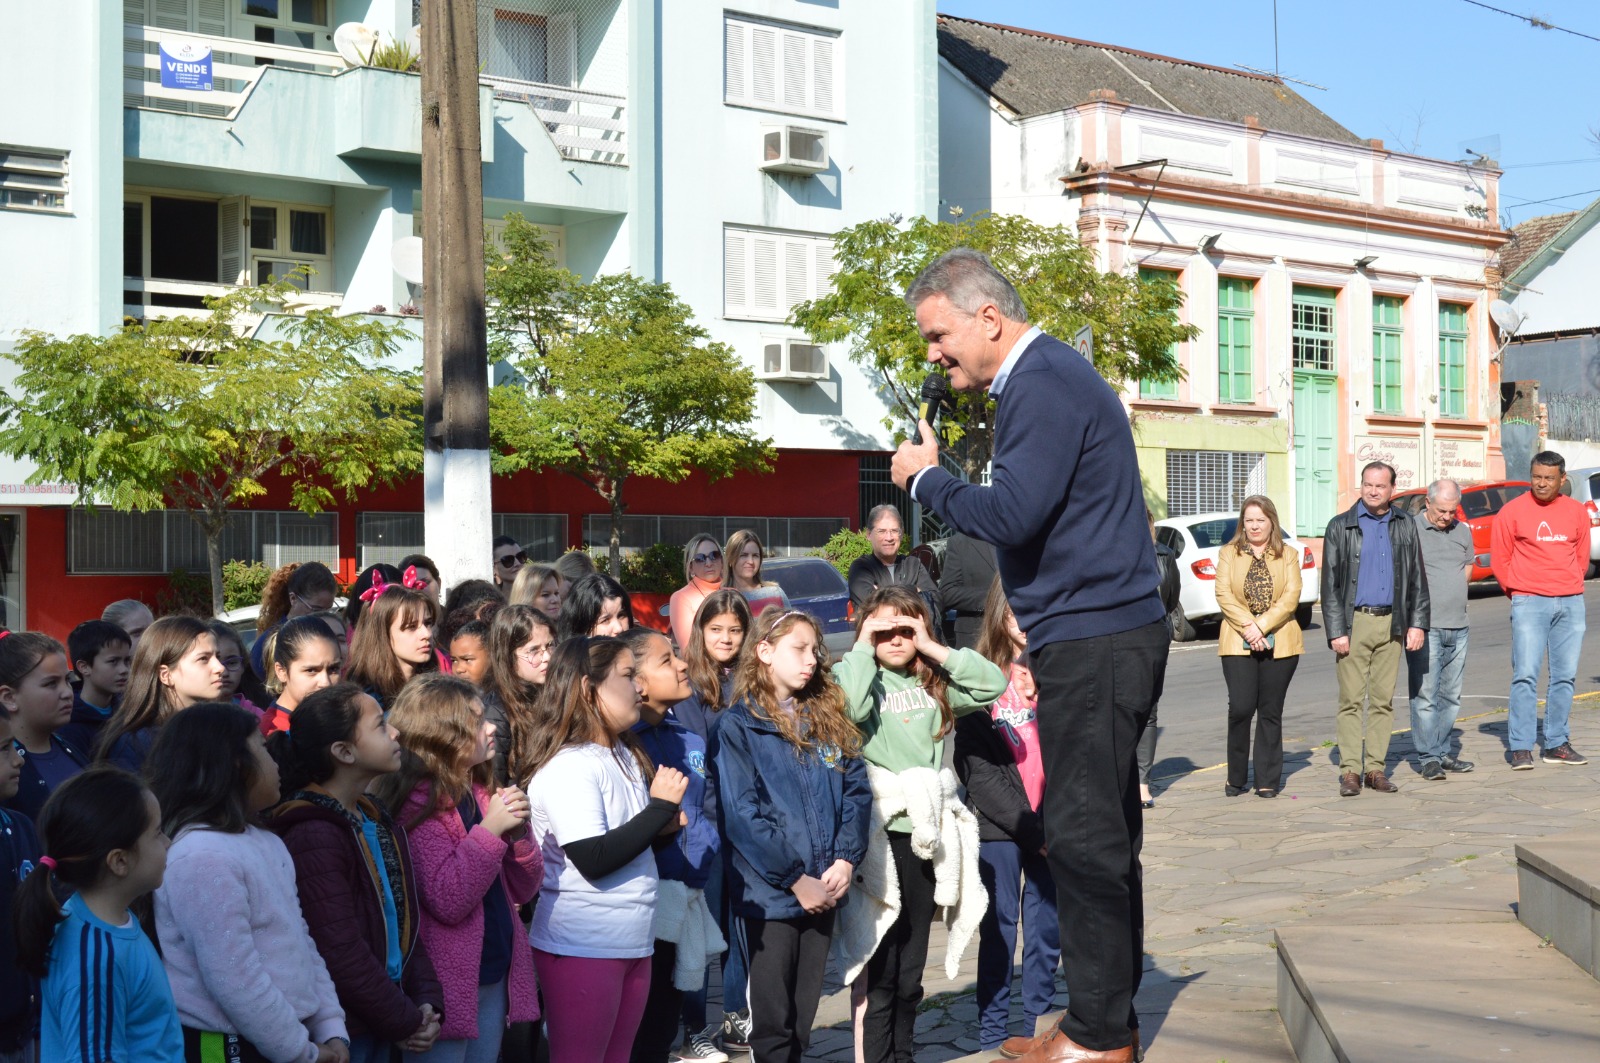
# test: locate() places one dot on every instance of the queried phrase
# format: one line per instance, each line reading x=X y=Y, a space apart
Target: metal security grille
x=104 y=541
x=1574 y=417
x=878 y=488
x=568 y=60
x=384 y=538
x=1312 y=326
x=1212 y=481
x=782 y=536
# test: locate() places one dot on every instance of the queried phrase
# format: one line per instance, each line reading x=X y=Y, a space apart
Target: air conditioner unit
x=783 y=358
x=793 y=149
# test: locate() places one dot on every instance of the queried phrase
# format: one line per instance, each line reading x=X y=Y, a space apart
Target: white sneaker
x=701 y=1048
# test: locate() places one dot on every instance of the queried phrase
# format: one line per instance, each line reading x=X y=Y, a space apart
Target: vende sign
x=186 y=65
x=1404 y=453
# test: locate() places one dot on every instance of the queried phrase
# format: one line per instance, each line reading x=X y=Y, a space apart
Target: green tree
x=615 y=380
x=196 y=413
x=1135 y=322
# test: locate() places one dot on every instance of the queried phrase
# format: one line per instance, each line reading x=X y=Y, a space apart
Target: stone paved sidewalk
x=1222 y=873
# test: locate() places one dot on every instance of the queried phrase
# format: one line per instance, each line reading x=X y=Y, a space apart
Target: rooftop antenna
x=1277 y=69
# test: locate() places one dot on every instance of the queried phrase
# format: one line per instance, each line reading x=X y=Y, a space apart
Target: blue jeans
x=1002 y=866
x=485 y=1048
x=1540 y=625
x=1435 y=685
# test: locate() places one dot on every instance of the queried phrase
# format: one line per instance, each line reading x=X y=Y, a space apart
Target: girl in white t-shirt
x=593 y=930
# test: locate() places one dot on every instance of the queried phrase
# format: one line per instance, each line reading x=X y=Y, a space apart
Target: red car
x=1479 y=504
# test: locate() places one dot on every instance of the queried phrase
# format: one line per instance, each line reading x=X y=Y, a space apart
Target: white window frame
x=800 y=267
x=323 y=263
x=35 y=171
x=806 y=65
x=238 y=17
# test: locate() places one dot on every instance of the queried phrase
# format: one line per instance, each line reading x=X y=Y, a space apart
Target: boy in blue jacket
x=687 y=934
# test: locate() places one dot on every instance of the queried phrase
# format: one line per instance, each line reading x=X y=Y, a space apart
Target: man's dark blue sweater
x=1065 y=506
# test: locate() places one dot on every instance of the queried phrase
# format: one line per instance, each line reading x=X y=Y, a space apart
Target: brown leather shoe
x=1017 y=1047
x=1056 y=1047
x=1377 y=780
x=1349 y=784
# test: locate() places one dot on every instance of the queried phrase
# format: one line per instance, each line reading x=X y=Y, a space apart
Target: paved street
x=1222 y=874
x=1193 y=712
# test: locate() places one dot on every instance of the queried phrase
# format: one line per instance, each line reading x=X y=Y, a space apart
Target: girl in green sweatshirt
x=903 y=689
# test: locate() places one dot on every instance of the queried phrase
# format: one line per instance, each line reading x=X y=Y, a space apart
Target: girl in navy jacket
x=795 y=806
x=687 y=935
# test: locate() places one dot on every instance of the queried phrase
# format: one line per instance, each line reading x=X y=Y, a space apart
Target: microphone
x=935 y=390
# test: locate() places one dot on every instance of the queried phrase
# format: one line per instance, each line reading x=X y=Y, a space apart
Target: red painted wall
x=803 y=483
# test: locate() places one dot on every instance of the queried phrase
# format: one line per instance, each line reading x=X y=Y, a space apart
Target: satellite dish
x=406 y=256
x=1505 y=315
x=355 y=43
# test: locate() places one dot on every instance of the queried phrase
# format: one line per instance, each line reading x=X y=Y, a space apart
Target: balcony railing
x=584 y=125
x=234 y=62
x=151 y=291
x=588 y=126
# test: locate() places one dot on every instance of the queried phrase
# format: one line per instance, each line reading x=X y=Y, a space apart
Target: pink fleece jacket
x=236 y=948
x=454 y=871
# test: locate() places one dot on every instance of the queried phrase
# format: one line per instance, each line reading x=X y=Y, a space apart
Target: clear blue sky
x=1422 y=75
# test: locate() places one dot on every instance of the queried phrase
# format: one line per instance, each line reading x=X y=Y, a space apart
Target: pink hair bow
x=411 y=581
x=374 y=592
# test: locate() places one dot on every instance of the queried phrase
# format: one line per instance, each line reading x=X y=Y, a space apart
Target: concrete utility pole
x=455 y=346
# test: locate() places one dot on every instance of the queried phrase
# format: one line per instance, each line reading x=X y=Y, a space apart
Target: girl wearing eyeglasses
x=702 y=573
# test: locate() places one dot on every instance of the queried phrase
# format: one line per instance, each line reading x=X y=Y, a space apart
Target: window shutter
x=764 y=268
x=735 y=61
x=211 y=16
x=825 y=269
x=822 y=74
x=561 y=49
x=171 y=15
x=797 y=287
x=794 y=70
x=133 y=16
x=764 y=64
x=232 y=256
x=735 y=273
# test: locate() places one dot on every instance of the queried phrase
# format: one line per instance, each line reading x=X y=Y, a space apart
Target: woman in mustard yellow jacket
x=1258 y=590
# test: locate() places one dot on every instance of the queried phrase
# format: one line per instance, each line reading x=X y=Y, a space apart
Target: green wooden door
x=1315 y=463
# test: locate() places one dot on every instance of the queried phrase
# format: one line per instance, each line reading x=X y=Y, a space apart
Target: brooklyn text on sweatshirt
x=899 y=719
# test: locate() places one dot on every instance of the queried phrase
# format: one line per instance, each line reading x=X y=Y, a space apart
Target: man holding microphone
x=1065 y=512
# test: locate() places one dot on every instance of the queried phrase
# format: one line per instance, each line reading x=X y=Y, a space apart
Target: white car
x=1197 y=540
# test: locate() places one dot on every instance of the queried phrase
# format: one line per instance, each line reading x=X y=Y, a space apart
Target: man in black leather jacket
x=1368 y=616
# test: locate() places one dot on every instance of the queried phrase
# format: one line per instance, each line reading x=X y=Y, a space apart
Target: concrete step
x=1558 y=886
x=1463 y=991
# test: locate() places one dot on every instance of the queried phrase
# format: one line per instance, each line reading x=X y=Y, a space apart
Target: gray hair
x=1440 y=486
x=969 y=281
x=877 y=512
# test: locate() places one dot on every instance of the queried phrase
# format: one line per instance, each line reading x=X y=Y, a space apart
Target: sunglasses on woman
x=701 y=559
x=509 y=560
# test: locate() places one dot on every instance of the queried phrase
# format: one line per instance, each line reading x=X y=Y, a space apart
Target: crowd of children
x=446 y=830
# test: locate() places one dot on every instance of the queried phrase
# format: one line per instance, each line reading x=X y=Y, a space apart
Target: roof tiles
x=1038 y=73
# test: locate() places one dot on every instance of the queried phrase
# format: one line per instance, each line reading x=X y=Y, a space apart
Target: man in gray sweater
x=1436 y=669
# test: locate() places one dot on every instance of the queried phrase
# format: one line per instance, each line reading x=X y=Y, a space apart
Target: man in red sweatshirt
x=1540 y=552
